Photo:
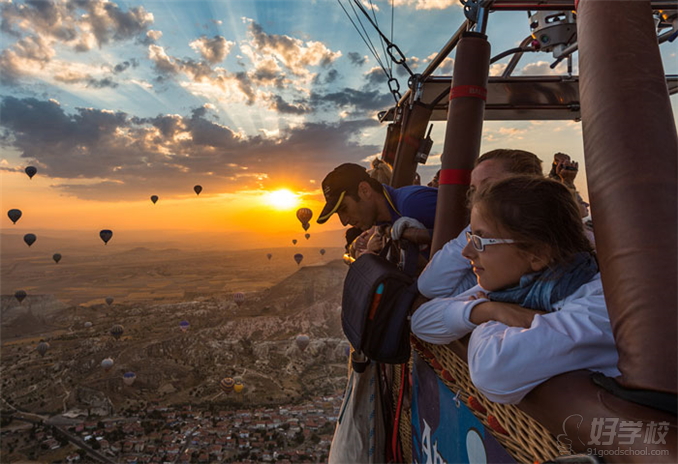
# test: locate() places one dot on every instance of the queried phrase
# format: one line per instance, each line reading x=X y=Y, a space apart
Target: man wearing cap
x=363 y=202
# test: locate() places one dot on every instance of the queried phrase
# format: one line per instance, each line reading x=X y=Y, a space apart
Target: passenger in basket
x=539 y=308
x=362 y=201
x=449 y=273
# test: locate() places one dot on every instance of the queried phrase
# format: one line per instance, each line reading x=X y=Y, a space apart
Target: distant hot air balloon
x=105 y=235
x=238 y=386
x=107 y=364
x=42 y=348
x=307 y=236
x=294 y=241
x=183 y=325
x=88 y=325
x=239 y=298
x=197 y=189
x=20 y=295
x=117 y=331
x=109 y=300
x=31 y=170
x=129 y=378
x=303 y=341
x=56 y=257
x=227 y=384
x=306 y=225
x=298 y=257
x=322 y=251
x=304 y=215
x=30 y=239
x=154 y=199
x=14 y=215
x=269 y=256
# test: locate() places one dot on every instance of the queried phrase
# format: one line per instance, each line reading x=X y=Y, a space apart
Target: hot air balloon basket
x=523 y=437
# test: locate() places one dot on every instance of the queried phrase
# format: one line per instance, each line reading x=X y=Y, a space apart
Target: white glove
x=403 y=223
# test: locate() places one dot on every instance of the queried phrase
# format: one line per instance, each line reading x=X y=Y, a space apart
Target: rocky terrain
x=254 y=341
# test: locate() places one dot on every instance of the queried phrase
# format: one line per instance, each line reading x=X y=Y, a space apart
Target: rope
x=364 y=40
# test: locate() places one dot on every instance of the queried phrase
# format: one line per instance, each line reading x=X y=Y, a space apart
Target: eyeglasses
x=479 y=243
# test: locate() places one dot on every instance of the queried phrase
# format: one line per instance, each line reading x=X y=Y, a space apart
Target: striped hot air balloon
x=304 y=215
x=227 y=385
x=42 y=348
x=117 y=331
x=239 y=298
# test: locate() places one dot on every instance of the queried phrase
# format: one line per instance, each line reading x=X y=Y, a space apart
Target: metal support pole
x=631 y=154
x=415 y=122
x=462 y=135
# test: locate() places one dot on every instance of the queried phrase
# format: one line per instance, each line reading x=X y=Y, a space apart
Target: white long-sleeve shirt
x=448 y=273
x=505 y=362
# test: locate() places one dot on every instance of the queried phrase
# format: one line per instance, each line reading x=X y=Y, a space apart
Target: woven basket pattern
x=405 y=426
x=526 y=439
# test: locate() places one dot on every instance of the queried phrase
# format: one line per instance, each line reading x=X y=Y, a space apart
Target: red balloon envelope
x=304 y=215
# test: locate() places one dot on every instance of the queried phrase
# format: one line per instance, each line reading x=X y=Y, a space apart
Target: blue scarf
x=541 y=289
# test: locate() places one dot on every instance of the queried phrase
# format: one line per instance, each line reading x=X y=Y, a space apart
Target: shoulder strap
x=390 y=202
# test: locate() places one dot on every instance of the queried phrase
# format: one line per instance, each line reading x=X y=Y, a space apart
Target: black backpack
x=375 y=306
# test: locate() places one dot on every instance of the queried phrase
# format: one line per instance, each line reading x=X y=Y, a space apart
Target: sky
x=116 y=101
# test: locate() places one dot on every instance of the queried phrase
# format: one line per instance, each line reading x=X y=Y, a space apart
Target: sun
x=282 y=199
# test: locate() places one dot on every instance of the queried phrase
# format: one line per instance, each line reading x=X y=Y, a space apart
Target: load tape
x=455 y=177
x=474 y=91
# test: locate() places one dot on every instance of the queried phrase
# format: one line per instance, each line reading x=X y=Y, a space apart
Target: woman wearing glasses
x=538 y=309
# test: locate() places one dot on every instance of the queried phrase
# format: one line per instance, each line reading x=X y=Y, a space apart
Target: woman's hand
x=510 y=314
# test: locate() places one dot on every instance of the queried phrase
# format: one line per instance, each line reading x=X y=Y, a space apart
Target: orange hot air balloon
x=304 y=215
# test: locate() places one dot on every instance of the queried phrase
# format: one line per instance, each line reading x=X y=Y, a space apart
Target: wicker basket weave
x=405 y=426
x=524 y=438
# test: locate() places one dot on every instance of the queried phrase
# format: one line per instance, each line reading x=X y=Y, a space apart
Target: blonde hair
x=380 y=171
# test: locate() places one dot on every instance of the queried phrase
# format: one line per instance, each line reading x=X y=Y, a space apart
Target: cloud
x=120 y=67
x=72 y=77
x=357 y=59
x=212 y=50
x=543 y=68
x=427 y=4
x=445 y=68
x=74 y=22
x=375 y=76
x=331 y=76
x=122 y=155
x=26 y=54
x=277 y=63
x=294 y=54
x=40 y=27
x=281 y=106
x=360 y=100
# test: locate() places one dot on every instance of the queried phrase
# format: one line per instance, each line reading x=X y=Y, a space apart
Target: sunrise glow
x=282 y=199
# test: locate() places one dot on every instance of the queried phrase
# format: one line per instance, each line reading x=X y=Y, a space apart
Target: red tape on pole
x=411 y=141
x=455 y=177
x=474 y=91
